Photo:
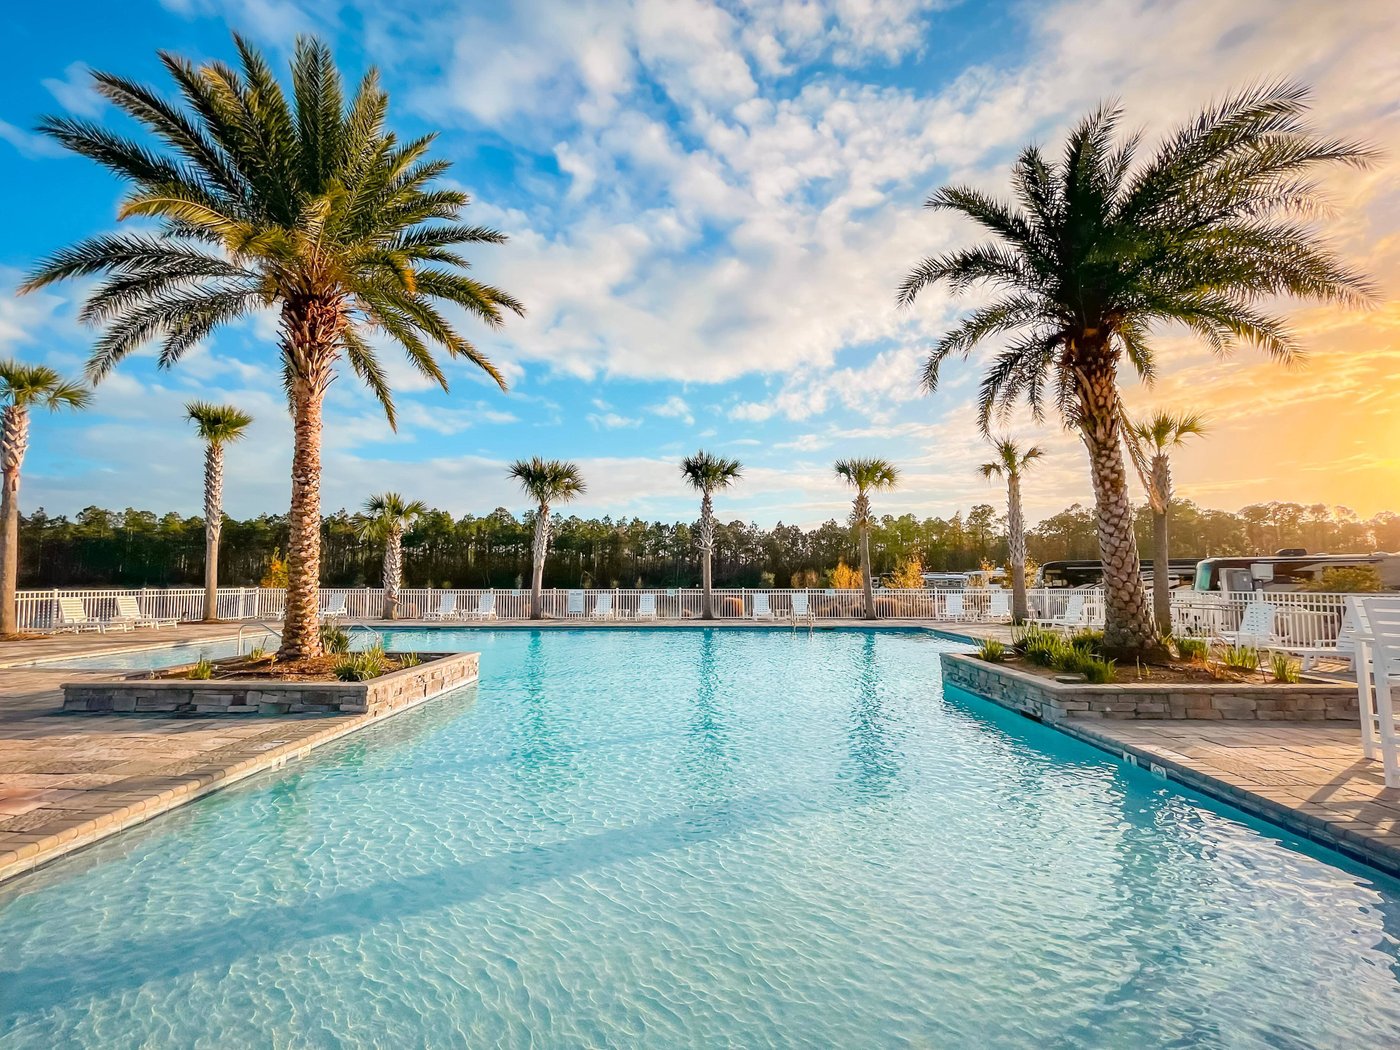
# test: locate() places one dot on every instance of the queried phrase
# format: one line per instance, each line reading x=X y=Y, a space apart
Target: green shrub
x=1285 y=668
x=410 y=660
x=257 y=652
x=362 y=666
x=1087 y=641
x=334 y=639
x=1194 y=649
x=991 y=650
x=1098 y=670
x=1239 y=658
x=202 y=671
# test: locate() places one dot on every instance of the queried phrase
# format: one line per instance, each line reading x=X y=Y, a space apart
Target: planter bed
x=141 y=694
x=1051 y=701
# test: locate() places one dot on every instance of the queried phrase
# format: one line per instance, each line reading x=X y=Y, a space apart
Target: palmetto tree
x=866 y=476
x=306 y=205
x=386 y=518
x=1150 y=442
x=1010 y=463
x=218 y=425
x=708 y=474
x=22 y=387
x=547 y=482
x=1100 y=248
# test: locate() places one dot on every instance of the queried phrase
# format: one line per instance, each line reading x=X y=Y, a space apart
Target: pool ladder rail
x=267 y=629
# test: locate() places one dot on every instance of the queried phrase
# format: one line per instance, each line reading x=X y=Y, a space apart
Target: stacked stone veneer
x=1053 y=701
x=438 y=673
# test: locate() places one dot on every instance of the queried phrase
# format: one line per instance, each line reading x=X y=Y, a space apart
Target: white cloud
x=74 y=91
x=674 y=407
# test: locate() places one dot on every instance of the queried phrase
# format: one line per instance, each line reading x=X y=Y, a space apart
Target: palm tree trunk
x=866 y=580
x=14 y=442
x=213 y=526
x=538 y=553
x=1016 y=548
x=393 y=573
x=1129 y=630
x=707 y=549
x=301 y=629
x=1161 y=578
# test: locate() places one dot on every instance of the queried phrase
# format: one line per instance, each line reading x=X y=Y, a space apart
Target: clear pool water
x=156 y=657
x=692 y=838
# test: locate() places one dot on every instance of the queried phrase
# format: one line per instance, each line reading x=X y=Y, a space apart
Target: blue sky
x=710 y=205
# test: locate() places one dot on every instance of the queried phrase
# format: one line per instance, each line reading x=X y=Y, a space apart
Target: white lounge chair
x=446 y=610
x=485 y=608
x=954 y=607
x=334 y=609
x=1342 y=650
x=1256 y=628
x=999 y=607
x=1075 y=614
x=761 y=609
x=575 y=606
x=73 y=616
x=1378 y=633
x=129 y=612
x=646 y=607
x=602 y=608
x=801 y=606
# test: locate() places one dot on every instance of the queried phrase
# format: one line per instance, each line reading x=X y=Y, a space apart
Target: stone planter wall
x=438 y=673
x=1053 y=701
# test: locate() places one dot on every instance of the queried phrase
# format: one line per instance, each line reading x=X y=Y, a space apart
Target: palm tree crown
x=1166 y=430
x=218 y=424
x=388 y=514
x=38 y=386
x=866 y=476
x=548 y=481
x=1009 y=459
x=307 y=204
x=708 y=473
x=1099 y=249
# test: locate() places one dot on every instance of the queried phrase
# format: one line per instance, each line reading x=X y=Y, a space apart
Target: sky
x=709 y=207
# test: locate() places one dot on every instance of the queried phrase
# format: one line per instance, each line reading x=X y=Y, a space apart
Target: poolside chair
x=129 y=612
x=1378 y=631
x=485 y=608
x=761 y=609
x=1343 y=649
x=575 y=606
x=334 y=609
x=1256 y=628
x=954 y=607
x=602 y=608
x=999 y=607
x=446 y=610
x=1075 y=614
x=646 y=607
x=801 y=606
x=72 y=616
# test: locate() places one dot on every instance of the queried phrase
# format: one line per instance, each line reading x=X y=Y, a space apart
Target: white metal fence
x=1300 y=618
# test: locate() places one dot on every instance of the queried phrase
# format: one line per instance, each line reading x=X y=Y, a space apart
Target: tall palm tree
x=708 y=474
x=866 y=476
x=1100 y=248
x=218 y=425
x=22 y=387
x=547 y=482
x=386 y=518
x=305 y=204
x=1010 y=463
x=1150 y=442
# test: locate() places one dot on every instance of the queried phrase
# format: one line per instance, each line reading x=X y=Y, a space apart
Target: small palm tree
x=218 y=425
x=306 y=205
x=22 y=387
x=1010 y=463
x=866 y=476
x=1100 y=248
x=386 y=518
x=1150 y=442
x=547 y=482
x=708 y=474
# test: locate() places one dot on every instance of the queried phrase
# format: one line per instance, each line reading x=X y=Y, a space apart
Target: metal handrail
x=353 y=627
x=266 y=627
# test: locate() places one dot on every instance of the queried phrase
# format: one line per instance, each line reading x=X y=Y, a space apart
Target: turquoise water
x=692 y=838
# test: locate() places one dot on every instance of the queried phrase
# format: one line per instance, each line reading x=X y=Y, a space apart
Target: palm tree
x=1099 y=249
x=1149 y=443
x=547 y=482
x=1010 y=463
x=22 y=387
x=708 y=474
x=386 y=518
x=218 y=425
x=307 y=205
x=866 y=476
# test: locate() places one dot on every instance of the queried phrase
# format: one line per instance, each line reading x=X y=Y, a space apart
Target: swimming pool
x=157 y=656
x=665 y=837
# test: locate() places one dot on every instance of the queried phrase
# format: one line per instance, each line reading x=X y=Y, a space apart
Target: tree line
x=137 y=548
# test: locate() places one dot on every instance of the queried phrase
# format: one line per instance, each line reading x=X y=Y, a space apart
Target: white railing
x=1301 y=618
